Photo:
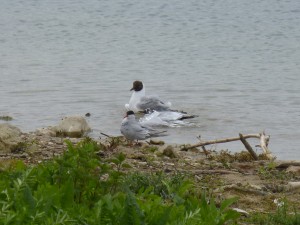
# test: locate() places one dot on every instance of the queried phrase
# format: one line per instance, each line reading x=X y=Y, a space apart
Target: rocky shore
x=260 y=185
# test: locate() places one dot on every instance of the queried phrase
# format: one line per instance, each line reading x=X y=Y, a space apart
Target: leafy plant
x=79 y=187
x=6 y=118
x=280 y=217
x=269 y=171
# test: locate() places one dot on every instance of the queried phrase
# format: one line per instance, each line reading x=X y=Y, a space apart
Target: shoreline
x=175 y=138
x=257 y=184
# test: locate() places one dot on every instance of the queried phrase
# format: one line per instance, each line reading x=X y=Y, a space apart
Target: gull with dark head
x=134 y=131
x=139 y=102
x=157 y=111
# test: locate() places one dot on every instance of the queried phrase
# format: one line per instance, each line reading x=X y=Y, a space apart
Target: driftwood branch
x=244 y=189
x=264 y=140
x=248 y=147
x=218 y=141
x=13 y=155
x=214 y=171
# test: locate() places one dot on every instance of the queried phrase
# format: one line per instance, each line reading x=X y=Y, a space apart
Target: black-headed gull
x=158 y=112
x=139 y=102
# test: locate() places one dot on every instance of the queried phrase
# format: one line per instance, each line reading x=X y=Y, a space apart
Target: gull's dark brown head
x=137 y=86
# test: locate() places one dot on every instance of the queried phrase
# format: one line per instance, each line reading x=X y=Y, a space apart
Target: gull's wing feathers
x=132 y=130
x=152 y=103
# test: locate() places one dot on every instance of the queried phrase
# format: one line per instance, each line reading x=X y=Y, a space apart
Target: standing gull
x=133 y=130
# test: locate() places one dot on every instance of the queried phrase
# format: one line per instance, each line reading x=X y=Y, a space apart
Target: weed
x=112 y=143
x=79 y=187
x=269 y=172
x=280 y=217
x=150 y=149
x=6 y=118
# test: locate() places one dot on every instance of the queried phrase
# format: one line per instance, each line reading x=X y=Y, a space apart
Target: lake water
x=234 y=63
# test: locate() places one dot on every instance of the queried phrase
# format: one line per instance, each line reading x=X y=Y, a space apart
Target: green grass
x=269 y=172
x=6 y=118
x=280 y=217
x=81 y=188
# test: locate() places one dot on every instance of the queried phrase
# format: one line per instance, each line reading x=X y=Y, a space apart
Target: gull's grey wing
x=152 y=103
x=134 y=131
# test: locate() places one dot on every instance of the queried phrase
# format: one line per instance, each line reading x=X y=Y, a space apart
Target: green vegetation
x=80 y=187
x=269 y=172
x=6 y=118
x=280 y=217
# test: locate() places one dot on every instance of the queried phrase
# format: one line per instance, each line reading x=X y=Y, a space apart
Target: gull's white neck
x=135 y=99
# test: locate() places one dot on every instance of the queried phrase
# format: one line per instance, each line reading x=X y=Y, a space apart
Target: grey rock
x=48 y=131
x=294 y=169
x=10 y=137
x=72 y=126
x=170 y=152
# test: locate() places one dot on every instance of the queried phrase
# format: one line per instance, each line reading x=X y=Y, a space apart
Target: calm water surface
x=234 y=63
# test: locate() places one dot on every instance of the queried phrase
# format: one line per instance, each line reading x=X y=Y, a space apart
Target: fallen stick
x=217 y=141
x=13 y=155
x=248 y=147
x=106 y=135
x=216 y=171
x=245 y=190
x=264 y=140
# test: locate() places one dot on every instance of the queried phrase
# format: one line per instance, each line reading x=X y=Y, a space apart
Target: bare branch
x=264 y=140
x=248 y=147
x=217 y=141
